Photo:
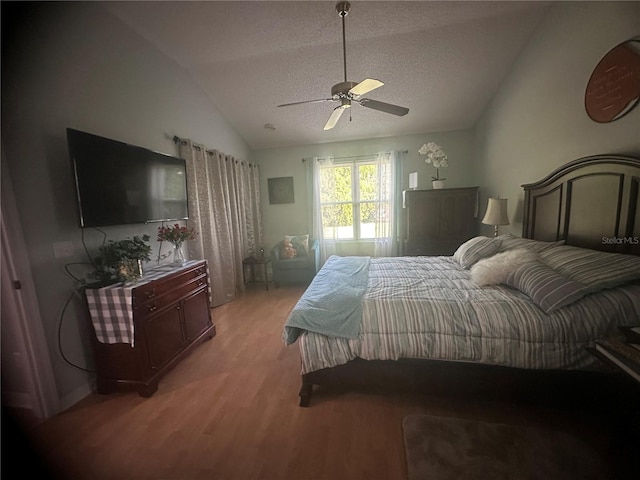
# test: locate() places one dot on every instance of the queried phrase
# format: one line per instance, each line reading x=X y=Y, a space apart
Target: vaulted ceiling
x=442 y=60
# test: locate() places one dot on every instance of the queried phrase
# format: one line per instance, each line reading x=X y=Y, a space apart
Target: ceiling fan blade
x=335 y=116
x=366 y=86
x=307 y=101
x=383 y=107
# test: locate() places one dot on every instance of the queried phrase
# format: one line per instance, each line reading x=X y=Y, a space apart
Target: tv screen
x=120 y=184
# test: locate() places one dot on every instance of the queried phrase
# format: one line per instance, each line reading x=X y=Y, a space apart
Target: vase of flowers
x=176 y=235
x=178 y=255
x=436 y=157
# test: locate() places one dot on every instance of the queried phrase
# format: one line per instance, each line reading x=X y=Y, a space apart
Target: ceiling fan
x=347 y=92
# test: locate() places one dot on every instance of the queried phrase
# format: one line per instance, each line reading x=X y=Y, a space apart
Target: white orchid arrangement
x=435 y=156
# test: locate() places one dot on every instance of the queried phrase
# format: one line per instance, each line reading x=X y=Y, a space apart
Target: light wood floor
x=230 y=411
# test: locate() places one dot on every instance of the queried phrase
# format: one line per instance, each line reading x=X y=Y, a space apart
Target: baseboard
x=76 y=395
x=23 y=400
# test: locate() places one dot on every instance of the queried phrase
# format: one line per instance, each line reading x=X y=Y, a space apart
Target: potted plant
x=436 y=157
x=122 y=259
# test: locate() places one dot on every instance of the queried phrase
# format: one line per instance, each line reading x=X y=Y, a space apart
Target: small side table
x=251 y=263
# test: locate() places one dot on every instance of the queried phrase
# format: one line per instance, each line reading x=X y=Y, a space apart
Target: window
x=355 y=199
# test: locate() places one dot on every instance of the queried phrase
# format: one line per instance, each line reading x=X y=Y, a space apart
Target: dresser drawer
x=157 y=303
x=164 y=290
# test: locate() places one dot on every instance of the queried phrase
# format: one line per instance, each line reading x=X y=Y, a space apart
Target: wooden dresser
x=437 y=222
x=159 y=321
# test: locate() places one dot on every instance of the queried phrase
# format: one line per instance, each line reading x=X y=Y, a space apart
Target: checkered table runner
x=111 y=307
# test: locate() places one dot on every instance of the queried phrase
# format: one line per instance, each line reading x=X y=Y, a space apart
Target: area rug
x=443 y=448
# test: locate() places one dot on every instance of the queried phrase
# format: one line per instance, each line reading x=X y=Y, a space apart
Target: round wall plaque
x=614 y=87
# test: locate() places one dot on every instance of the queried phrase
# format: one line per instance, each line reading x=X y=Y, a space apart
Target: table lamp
x=496 y=214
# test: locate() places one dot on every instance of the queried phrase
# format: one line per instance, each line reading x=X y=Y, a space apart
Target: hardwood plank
x=230 y=411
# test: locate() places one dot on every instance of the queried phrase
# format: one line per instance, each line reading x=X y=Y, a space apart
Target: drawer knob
x=153 y=308
x=151 y=294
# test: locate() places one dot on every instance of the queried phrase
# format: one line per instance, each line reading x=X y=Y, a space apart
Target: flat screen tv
x=119 y=184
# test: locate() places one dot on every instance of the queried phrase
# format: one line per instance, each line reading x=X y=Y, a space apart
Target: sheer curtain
x=386 y=221
x=327 y=245
x=224 y=208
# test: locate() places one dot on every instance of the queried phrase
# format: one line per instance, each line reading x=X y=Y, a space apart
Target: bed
x=524 y=304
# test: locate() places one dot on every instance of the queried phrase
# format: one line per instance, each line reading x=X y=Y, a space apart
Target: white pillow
x=494 y=270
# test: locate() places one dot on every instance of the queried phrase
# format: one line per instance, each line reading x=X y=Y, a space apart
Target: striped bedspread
x=428 y=307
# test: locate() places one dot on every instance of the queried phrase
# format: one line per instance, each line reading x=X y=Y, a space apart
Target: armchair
x=297 y=270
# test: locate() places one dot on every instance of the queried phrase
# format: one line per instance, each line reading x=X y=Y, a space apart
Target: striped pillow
x=510 y=242
x=476 y=249
x=548 y=289
x=599 y=270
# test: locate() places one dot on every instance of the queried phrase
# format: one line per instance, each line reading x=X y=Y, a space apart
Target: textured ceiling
x=442 y=60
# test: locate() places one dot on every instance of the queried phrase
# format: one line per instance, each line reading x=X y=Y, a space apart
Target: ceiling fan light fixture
x=342 y=89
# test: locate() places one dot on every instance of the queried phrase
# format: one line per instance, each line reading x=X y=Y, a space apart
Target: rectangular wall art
x=281 y=190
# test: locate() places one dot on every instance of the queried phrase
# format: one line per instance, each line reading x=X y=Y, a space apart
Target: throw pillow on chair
x=288 y=251
x=300 y=243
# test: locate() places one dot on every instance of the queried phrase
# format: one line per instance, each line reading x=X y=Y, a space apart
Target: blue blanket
x=332 y=305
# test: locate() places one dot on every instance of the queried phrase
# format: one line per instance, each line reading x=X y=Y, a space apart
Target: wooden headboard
x=592 y=202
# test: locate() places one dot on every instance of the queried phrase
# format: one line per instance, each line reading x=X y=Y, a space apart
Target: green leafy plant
x=118 y=260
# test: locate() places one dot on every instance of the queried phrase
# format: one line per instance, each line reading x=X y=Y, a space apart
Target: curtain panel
x=224 y=208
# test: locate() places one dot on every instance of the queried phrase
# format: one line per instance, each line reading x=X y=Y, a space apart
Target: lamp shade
x=496 y=212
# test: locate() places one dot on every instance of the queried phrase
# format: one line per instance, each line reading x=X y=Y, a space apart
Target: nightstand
x=625 y=414
x=249 y=266
x=619 y=353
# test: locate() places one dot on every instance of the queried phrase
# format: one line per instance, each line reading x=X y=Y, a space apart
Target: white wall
x=75 y=65
x=285 y=219
x=537 y=121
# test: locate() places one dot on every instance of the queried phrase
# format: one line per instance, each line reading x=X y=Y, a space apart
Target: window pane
x=338 y=185
x=368 y=178
x=337 y=221
x=335 y=184
x=374 y=220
